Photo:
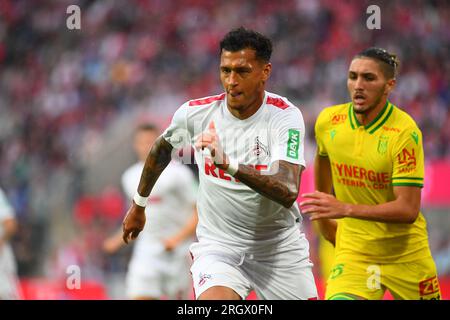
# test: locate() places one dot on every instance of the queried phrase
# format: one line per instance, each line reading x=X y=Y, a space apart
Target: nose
x=359 y=84
x=233 y=79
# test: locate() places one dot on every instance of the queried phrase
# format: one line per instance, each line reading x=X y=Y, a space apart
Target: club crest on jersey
x=203 y=278
x=382 y=145
x=293 y=143
x=259 y=148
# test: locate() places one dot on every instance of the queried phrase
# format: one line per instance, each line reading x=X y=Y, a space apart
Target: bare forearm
x=9 y=229
x=281 y=187
x=157 y=160
x=324 y=183
x=390 y=212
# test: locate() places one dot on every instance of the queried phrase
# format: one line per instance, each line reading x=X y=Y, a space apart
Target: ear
x=267 y=69
x=390 y=85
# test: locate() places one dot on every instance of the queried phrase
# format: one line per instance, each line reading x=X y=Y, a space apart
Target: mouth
x=359 y=98
x=234 y=94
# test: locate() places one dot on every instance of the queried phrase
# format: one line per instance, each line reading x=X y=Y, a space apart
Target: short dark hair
x=242 y=38
x=389 y=62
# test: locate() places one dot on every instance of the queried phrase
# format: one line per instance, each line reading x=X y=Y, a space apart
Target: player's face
x=143 y=142
x=243 y=78
x=367 y=85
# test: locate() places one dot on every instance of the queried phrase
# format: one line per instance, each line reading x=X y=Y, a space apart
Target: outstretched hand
x=133 y=223
x=323 y=206
x=210 y=140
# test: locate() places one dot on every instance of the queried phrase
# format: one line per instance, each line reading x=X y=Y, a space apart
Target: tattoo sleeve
x=157 y=160
x=281 y=187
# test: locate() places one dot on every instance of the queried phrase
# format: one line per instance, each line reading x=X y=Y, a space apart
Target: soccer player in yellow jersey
x=369 y=171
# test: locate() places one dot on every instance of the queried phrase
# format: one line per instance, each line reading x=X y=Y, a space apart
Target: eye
x=352 y=76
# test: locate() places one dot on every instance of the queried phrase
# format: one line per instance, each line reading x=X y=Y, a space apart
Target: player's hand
x=210 y=140
x=133 y=223
x=322 y=205
x=112 y=244
x=171 y=243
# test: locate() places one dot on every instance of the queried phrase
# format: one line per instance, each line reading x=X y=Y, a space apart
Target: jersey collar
x=376 y=123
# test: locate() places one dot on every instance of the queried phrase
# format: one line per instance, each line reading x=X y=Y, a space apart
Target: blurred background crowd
x=70 y=99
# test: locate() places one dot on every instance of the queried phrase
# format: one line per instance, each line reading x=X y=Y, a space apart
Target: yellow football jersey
x=366 y=162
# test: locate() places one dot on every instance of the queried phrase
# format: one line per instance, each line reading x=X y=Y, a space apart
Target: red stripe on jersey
x=277 y=102
x=204 y=101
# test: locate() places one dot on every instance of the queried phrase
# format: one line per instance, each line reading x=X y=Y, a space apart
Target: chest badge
x=382 y=145
x=259 y=148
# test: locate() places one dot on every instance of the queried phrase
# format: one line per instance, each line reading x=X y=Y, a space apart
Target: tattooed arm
x=157 y=160
x=281 y=187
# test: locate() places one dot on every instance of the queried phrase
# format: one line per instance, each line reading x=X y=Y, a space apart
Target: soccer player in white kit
x=249 y=231
x=9 y=284
x=159 y=265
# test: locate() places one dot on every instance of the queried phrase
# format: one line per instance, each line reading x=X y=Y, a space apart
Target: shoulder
x=403 y=127
x=195 y=105
x=333 y=115
x=206 y=101
x=279 y=104
x=281 y=109
x=402 y=119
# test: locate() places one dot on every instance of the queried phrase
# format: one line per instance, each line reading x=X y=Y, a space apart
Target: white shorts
x=9 y=282
x=281 y=273
x=159 y=274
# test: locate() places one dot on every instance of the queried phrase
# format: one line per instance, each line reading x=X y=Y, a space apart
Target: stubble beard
x=372 y=106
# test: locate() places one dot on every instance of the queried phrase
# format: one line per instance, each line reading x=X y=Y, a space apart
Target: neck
x=249 y=110
x=368 y=116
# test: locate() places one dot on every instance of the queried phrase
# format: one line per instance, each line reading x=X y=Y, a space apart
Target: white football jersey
x=8 y=268
x=171 y=202
x=229 y=211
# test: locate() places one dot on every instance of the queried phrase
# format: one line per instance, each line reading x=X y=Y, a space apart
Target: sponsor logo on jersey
x=337 y=271
x=355 y=176
x=429 y=286
x=415 y=137
x=332 y=134
x=407 y=157
x=293 y=143
x=338 y=118
x=212 y=170
x=383 y=145
x=386 y=128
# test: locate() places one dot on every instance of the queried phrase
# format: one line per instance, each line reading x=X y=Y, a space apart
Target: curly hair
x=242 y=38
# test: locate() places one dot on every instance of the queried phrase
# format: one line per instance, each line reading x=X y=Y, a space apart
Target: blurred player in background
x=160 y=261
x=9 y=284
x=370 y=156
x=249 y=223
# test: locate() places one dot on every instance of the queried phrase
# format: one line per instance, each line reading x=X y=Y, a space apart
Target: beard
x=373 y=105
